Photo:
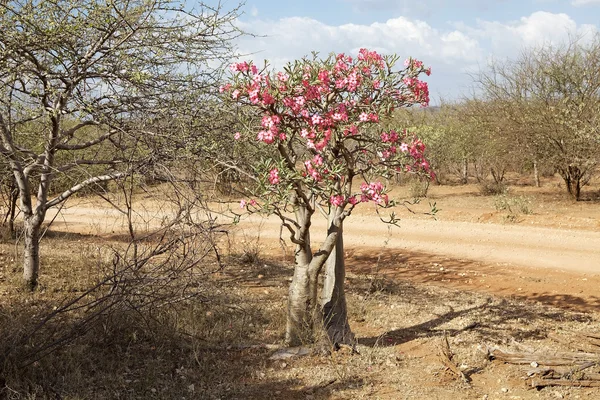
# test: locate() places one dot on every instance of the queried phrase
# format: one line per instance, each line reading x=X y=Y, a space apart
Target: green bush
x=515 y=205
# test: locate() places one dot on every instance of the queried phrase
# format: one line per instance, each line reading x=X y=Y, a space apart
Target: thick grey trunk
x=302 y=299
x=536 y=174
x=31 y=256
x=299 y=325
x=333 y=298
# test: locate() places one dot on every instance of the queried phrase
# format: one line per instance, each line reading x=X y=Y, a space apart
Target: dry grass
x=210 y=347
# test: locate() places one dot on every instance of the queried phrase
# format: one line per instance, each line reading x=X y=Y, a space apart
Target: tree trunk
x=31 y=257
x=299 y=325
x=572 y=177
x=536 y=173
x=302 y=299
x=465 y=171
x=333 y=298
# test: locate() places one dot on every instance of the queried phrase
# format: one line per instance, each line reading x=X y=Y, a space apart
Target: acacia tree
x=550 y=100
x=320 y=124
x=84 y=84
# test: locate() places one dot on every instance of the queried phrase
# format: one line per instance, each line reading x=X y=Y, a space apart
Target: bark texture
x=333 y=298
x=31 y=255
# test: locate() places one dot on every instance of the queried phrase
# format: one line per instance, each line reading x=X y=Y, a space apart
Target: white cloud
x=254 y=11
x=289 y=38
x=450 y=52
x=580 y=3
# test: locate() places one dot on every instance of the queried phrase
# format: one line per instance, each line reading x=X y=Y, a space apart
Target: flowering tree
x=319 y=118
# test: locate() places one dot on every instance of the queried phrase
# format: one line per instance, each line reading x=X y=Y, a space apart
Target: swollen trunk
x=333 y=299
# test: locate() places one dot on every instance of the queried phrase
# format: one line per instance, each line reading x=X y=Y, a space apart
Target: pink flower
x=268 y=99
x=274 y=176
x=363 y=117
x=243 y=204
x=235 y=94
x=241 y=67
x=266 y=136
x=281 y=77
x=336 y=200
x=237 y=136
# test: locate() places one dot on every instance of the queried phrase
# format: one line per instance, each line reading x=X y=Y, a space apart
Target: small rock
x=534 y=364
x=504 y=390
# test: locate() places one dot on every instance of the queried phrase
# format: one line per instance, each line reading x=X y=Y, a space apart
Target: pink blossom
x=317 y=160
x=351 y=130
x=237 y=136
x=225 y=88
x=274 y=176
x=235 y=94
x=268 y=99
x=324 y=77
x=282 y=77
x=363 y=117
x=336 y=200
x=243 y=204
x=266 y=136
x=241 y=67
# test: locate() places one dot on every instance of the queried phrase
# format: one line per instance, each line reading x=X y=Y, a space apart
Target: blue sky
x=454 y=37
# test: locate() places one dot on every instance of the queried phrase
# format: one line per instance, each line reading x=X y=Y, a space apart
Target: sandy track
x=526 y=246
x=555 y=266
x=509 y=244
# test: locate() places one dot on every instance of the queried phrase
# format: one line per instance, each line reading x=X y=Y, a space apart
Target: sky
x=457 y=38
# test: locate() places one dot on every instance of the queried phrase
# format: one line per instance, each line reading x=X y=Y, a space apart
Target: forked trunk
x=31 y=256
x=572 y=176
x=333 y=298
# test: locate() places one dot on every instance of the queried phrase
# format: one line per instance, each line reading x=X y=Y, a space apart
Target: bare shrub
x=418 y=188
x=488 y=188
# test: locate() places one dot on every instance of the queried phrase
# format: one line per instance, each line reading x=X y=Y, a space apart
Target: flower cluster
x=322 y=109
x=373 y=192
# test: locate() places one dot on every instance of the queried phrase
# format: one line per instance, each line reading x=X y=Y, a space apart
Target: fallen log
x=565 y=358
x=540 y=382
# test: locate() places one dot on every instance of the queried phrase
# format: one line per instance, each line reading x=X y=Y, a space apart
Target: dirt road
x=554 y=265
x=526 y=246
